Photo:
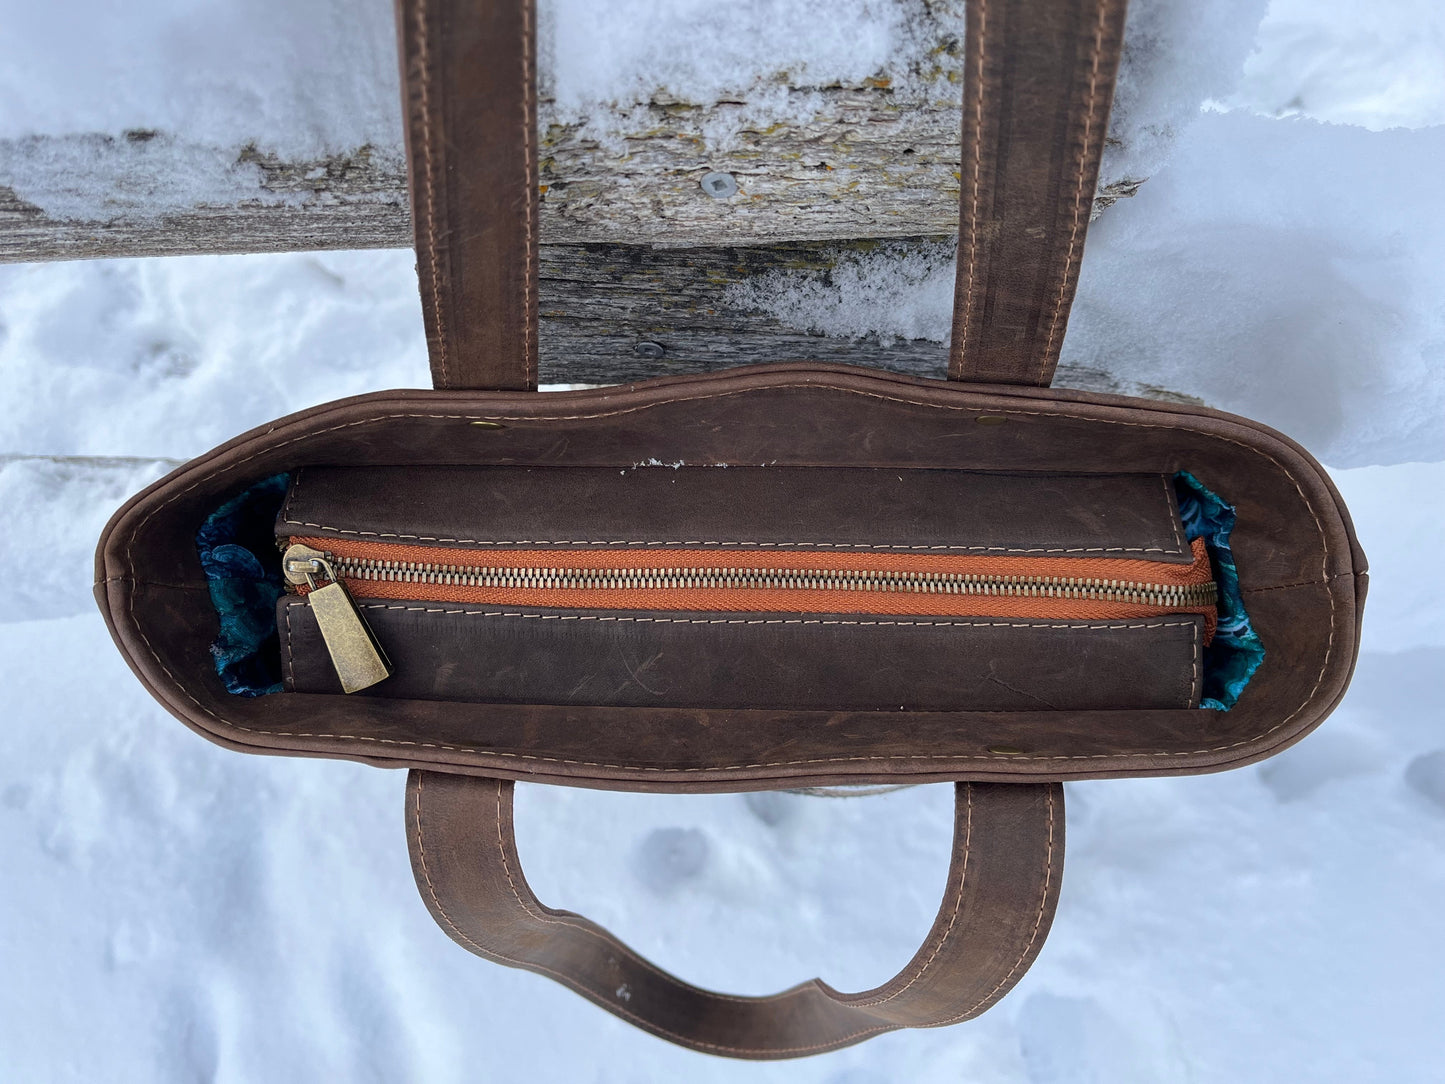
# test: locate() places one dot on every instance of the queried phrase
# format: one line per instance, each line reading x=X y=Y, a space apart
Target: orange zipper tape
x=782 y=600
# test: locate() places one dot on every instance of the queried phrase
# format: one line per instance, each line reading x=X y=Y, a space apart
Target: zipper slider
x=360 y=663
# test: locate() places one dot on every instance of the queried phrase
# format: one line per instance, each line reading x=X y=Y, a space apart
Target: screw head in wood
x=719 y=185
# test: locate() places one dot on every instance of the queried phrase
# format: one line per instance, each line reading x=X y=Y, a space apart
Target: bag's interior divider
x=1071 y=652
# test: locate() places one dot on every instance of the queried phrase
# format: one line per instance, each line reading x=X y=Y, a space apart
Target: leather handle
x=468 y=74
x=1038 y=83
x=1003 y=886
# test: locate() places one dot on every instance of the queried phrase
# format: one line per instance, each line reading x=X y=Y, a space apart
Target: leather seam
x=290 y=653
x=1197 y=680
x=1300 y=583
x=941 y=623
x=429 y=210
x=960 y=348
x=1176 y=521
x=1178 y=550
x=952 y=918
x=1042 y=377
x=730 y=542
x=292 y=492
x=1033 y=935
x=1319 y=526
x=529 y=186
x=506 y=865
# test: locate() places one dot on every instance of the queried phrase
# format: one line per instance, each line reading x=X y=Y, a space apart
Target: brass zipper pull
x=360 y=663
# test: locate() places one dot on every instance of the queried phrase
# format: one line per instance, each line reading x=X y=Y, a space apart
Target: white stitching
x=289 y=656
x=1196 y=680
x=529 y=83
x=1079 y=194
x=1176 y=520
x=952 y=918
x=1033 y=936
x=722 y=542
x=769 y=620
x=429 y=188
x=959 y=348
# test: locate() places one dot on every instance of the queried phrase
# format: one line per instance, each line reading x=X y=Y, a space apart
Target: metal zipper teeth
x=772 y=579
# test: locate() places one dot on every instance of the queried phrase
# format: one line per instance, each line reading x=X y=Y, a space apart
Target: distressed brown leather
x=468 y=76
x=783 y=662
x=777 y=507
x=1003 y=885
x=1038 y=81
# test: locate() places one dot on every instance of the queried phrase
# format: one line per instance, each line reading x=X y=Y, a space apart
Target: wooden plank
x=878 y=158
x=353 y=200
x=795 y=183
x=607 y=310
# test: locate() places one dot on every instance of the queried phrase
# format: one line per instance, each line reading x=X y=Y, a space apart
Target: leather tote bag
x=835 y=576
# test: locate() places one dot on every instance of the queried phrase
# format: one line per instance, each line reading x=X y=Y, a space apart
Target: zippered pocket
x=1061 y=589
x=772 y=620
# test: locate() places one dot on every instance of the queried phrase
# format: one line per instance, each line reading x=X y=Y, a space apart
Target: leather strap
x=468 y=78
x=1038 y=82
x=1003 y=886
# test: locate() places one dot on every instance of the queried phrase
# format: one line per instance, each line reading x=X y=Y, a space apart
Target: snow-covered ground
x=175 y=912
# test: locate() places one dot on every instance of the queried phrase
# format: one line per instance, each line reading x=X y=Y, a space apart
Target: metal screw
x=649 y=350
x=719 y=185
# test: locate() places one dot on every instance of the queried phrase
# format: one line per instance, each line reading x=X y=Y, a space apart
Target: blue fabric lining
x=1235 y=653
x=237 y=546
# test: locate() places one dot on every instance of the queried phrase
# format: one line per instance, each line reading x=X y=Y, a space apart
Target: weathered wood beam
x=806 y=182
x=614 y=313
x=95 y=196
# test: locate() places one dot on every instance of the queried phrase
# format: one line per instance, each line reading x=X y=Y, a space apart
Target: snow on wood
x=869 y=166
x=637 y=257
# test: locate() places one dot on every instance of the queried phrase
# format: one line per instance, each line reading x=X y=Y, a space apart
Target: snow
x=177 y=912
x=119 y=351
x=893 y=292
x=1288 y=270
x=1375 y=65
x=1176 y=55
x=600 y=62
x=300 y=78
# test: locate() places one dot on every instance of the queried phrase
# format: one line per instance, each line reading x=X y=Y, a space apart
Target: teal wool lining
x=237 y=546
x=1235 y=653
